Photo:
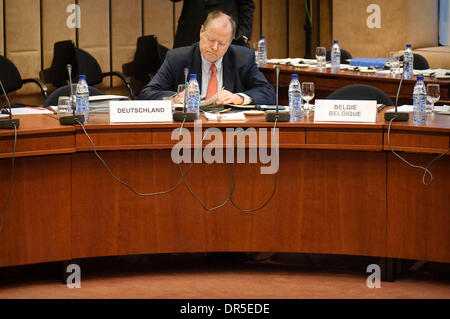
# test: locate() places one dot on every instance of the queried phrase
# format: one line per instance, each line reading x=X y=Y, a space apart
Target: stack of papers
x=100 y=103
x=437 y=73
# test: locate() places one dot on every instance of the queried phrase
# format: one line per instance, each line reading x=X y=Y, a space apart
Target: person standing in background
x=194 y=12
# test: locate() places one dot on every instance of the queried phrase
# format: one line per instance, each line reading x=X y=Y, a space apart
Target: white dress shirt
x=206 y=74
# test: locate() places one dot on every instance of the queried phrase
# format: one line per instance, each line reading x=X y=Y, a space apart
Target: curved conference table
x=327 y=82
x=340 y=191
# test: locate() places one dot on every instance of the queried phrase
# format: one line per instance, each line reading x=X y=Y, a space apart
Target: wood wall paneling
x=93 y=35
x=158 y=18
x=274 y=17
x=23 y=45
x=325 y=23
x=126 y=29
x=55 y=27
x=297 y=20
x=401 y=22
x=2 y=50
x=256 y=29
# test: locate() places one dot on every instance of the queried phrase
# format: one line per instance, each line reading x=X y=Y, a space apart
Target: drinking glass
x=321 y=58
x=433 y=95
x=307 y=95
x=394 y=61
x=64 y=105
x=255 y=48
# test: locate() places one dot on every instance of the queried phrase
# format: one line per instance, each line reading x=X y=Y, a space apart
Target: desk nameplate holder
x=356 y=111
x=140 y=111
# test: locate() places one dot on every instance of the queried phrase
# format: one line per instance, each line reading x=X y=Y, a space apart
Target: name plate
x=140 y=111
x=345 y=111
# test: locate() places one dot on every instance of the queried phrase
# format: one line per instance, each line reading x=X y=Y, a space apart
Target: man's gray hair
x=216 y=14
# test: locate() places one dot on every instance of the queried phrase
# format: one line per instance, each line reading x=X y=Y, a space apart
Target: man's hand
x=226 y=97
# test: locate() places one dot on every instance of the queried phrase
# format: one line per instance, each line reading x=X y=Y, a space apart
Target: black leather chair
x=345 y=56
x=52 y=99
x=82 y=62
x=148 y=58
x=420 y=63
x=12 y=80
x=361 y=92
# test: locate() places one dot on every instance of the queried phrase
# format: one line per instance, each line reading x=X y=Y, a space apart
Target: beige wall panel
x=54 y=26
x=126 y=28
x=402 y=21
x=158 y=18
x=23 y=38
x=423 y=27
x=325 y=21
x=93 y=36
x=256 y=29
x=274 y=17
x=2 y=52
x=297 y=20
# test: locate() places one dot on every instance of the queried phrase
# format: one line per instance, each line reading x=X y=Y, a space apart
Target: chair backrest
x=9 y=75
x=420 y=63
x=148 y=58
x=52 y=99
x=360 y=92
x=345 y=56
x=63 y=54
x=89 y=66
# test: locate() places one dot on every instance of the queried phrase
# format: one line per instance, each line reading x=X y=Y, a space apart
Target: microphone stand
x=185 y=116
x=8 y=123
x=279 y=117
x=398 y=116
x=71 y=119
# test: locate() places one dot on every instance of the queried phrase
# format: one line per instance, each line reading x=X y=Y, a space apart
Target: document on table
x=29 y=110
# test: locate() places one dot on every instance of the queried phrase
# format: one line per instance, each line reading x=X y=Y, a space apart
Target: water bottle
x=335 y=57
x=419 y=100
x=295 y=97
x=262 y=52
x=193 y=95
x=82 y=97
x=408 y=59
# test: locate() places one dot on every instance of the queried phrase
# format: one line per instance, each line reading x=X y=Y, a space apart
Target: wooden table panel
x=419 y=215
x=306 y=213
x=37 y=223
x=327 y=82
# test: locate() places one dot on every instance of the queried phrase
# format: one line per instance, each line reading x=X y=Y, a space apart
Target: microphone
x=185 y=116
x=8 y=123
x=398 y=116
x=71 y=119
x=277 y=116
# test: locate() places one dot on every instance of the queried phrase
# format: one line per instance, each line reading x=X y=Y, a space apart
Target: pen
x=380 y=107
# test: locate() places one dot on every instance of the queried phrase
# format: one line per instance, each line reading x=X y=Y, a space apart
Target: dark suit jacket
x=194 y=13
x=240 y=74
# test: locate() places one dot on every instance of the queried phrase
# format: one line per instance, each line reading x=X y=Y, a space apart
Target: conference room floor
x=224 y=276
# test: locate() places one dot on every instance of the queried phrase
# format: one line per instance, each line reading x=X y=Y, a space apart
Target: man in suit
x=194 y=13
x=217 y=63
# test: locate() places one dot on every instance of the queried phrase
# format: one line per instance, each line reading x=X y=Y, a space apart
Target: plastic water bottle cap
x=408 y=45
x=335 y=41
x=420 y=78
x=294 y=76
x=192 y=76
x=262 y=37
x=82 y=77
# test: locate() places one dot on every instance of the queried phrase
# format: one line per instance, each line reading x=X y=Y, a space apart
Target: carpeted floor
x=224 y=276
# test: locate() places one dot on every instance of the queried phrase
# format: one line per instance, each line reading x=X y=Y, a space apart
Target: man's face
x=215 y=39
